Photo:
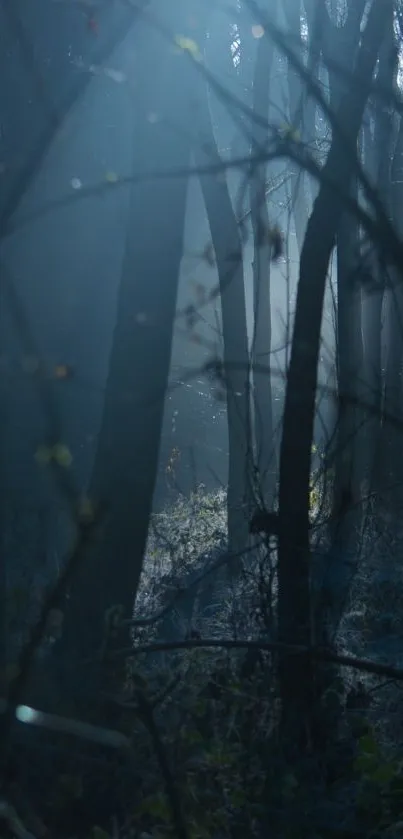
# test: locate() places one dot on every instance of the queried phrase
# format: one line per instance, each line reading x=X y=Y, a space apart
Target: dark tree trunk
x=294 y=610
x=393 y=403
x=381 y=160
x=372 y=304
x=346 y=489
x=128 y=445
x=342 y=42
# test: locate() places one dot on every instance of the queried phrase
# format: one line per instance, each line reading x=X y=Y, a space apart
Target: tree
x=341 y=39
x=128 y=444
x=294 y=610
x=388 y=150
x=301 y=109
x=380 y=152
x=263 y=254
x=391 y=448
x=228 y=252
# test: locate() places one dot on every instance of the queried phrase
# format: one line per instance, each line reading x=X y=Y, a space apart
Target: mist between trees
x=201 y=355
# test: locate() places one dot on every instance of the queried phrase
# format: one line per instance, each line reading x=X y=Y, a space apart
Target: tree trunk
x=128 y=444
x=346 y=488
x=261 y=343
x=302 y=106
x=294 y=608
x=228 y=252
x=393 y=403
x=389 y=158
x=381 y=158
x=342 y=42
x=296 y=98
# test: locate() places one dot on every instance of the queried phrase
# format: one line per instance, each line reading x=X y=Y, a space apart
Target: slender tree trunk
x=246 y=74
x=128 y=444
x=393 y=404
x=342 y=41
x=381 y=158
x=296 y=98
x=296 y=673
x=228 y=251
x=302 y=106
x=372 y=301
x=349 y=369
x=4 y=651
x=392 y=460
x=261 y=344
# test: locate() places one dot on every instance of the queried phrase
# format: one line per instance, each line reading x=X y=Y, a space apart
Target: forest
x=201 y=419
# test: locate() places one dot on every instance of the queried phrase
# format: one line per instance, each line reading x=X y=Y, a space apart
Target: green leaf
x=192 y=737
x=62 y=455
x=237 y=798
x=156 y=806
x=366 y=764
x=368 y=745
x=98 y=833
x=384 y=773
x=188 y=45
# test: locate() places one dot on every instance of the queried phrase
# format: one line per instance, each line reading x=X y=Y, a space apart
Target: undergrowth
x=209 y=717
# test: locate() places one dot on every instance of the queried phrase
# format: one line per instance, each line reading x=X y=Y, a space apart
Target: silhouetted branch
x=363 y=665
x=52 y=601
x=115 y=739
x=32 y=164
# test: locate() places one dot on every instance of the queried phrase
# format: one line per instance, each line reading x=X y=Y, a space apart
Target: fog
x=64 y=257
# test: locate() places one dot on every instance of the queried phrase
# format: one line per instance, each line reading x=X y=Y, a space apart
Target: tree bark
x=266 y=457
x=380 y=161
x=342 y=42
x=302 y=107
x=390 y=170
x=346 y=488
x=128 y=444
x=393 y=401
x=296 y=97
x=228 y=252
x=296 y=675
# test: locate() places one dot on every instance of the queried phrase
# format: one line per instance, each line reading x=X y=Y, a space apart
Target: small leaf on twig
x=62 y=455
x=188 y=45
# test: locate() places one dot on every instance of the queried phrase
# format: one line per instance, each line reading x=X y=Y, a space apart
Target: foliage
x=380 y=787
x=184 y=542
